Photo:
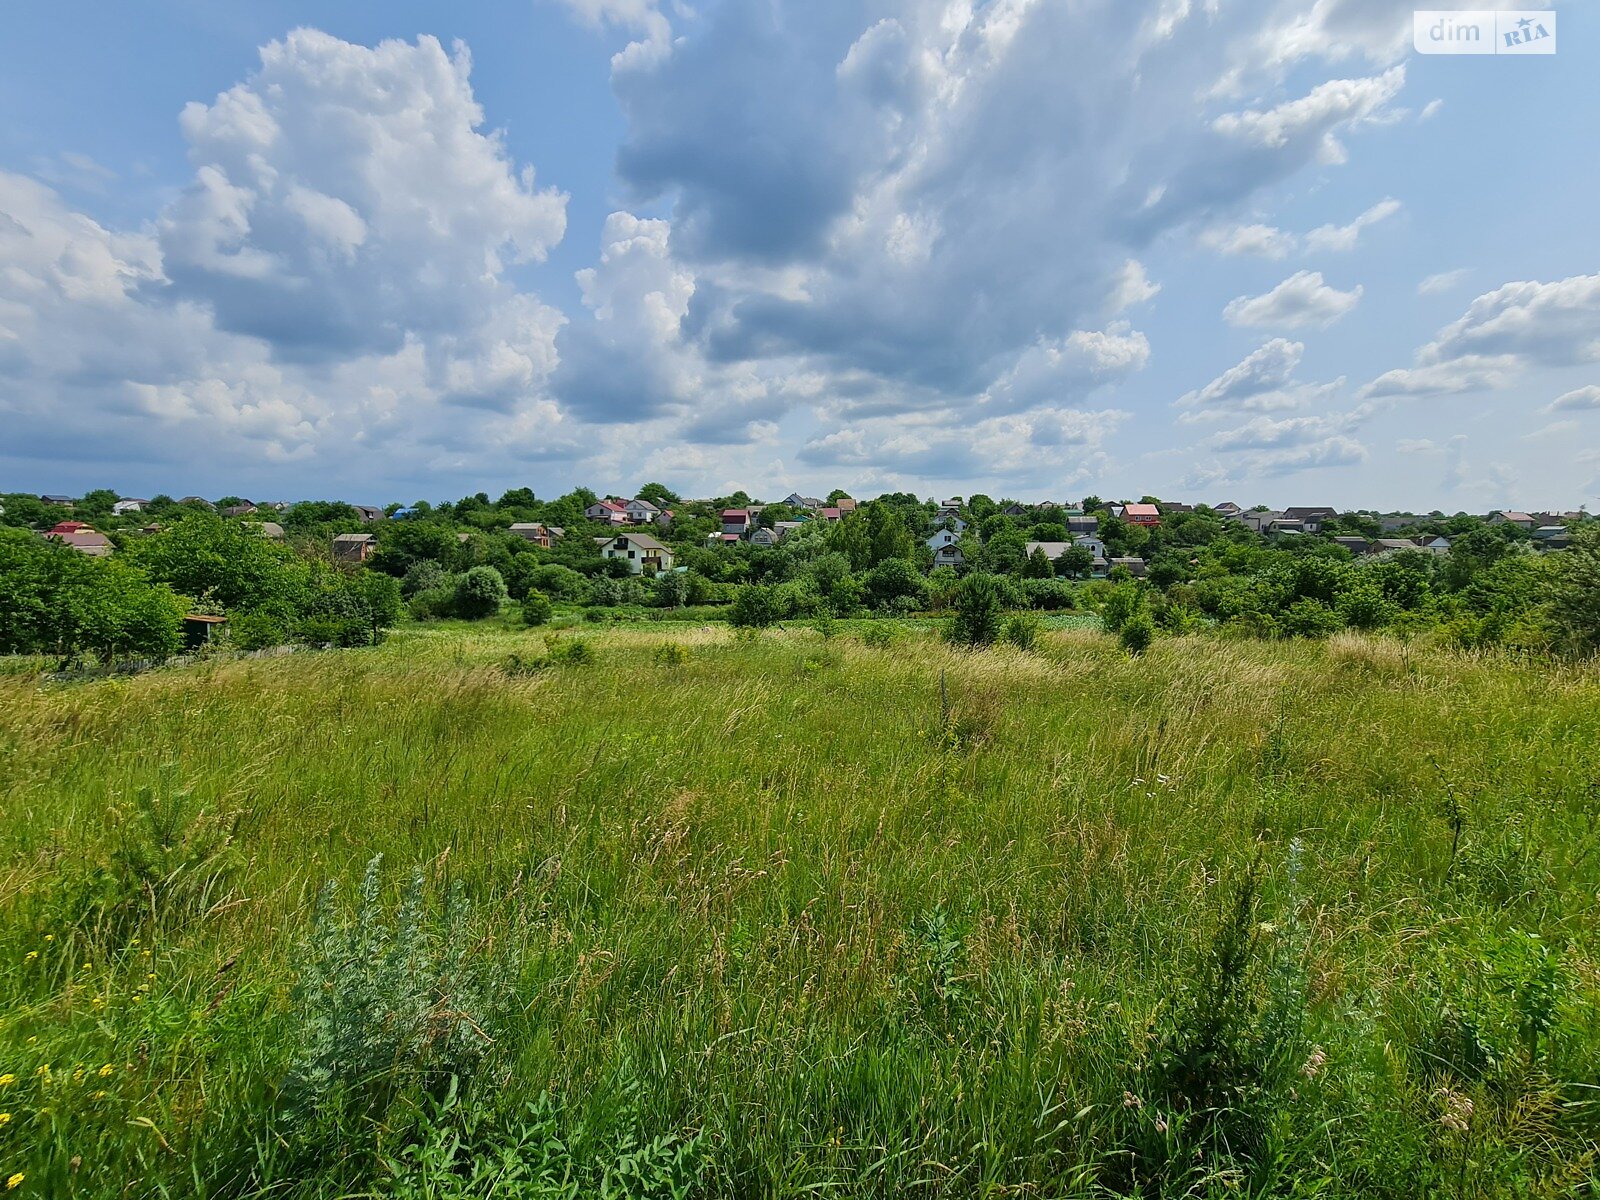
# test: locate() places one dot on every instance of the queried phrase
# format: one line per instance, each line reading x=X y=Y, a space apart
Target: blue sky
x=1256 y=250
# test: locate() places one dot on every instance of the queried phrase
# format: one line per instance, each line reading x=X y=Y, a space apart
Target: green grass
x=795 y=917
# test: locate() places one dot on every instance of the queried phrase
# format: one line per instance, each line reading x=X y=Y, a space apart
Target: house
x=765 y=537
x=1227 y=509
x=942 y=539
x=1171 y=508
x=736 y=521
x=830 y=514
x=1147 y=515
x=270 y=530
x=639 y=550
x=1015 y=510
x=368 y=513
x=1356 y=545
x=715 y=538
x=1434 y=544
x=1391 y=546
x=949 y=508
x=664 y=517
x=81 y=538
x=1521 y=520
x=1552 y=537
x=1260 y=519
x=532 y=531
x=240 y=510
x=199 y=502
x=1312 y=519
x=1135 y=566
x=1285 y=524
x=1082 y=524
x=845 y=504
x=1395 y=522
x=1091 y=543
x=641 y=512
x=949 y=556
x=796 y=500
x=129 y=505
x=785 y=528
x=607 y=512
x=1052 y=550
x=59 y=501
x=353 y=547
x=556 y=533
x=949 y=520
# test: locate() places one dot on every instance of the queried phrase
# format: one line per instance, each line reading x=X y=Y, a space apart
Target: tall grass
x=769 y=915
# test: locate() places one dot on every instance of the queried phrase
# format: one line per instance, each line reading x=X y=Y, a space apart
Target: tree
x=1038 y=565
x=206 y=557
x=659 y=494
x=480 y=593
x=894 y=580
x=1575 y=600
x=754 y=607
x=977 y=617
x=1075 y=561
x=671 y=589
x=838 y=494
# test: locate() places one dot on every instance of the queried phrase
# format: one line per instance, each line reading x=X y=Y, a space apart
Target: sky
x=1257 y=250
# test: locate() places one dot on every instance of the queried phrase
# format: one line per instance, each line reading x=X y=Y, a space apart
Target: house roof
x=1515 y=516
x=271 y=529
x=1141 y=510
x=644 y=504
x=742 y=513
x=56 y=499
x=519 y=526
x=349 y=539
x=608 y=504
x=642 y=540
x=88 y=540
x=71 y=527
x=1052 y=550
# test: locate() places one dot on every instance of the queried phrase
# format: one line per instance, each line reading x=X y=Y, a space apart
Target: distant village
x=643 y=534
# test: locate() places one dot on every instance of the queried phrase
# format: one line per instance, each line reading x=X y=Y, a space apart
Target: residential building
x=58 y=501
x=943 y=539
x=270 y=530
x=1136 y=566
x=607 y=512
x=785 y=528
x=128 y=505
x=830 y=514
x=764 y=537
x=239 y=510
x=532 y=531
x=639 y=550
x=1083 y=524
x=1227 y=509
x=353 y=547
x=1521 y=520
x=796 y=500
x=949 y=555
x=1435 y=544
x=736 y=521
x=641 y=512
x=1147 y=515
x=845 y=504
x=368 y=513
x=199 y=502
x=1356 y=545
x=1312 y=519
x=81 y=538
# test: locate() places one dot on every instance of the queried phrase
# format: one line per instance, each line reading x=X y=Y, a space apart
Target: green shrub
x=879 y=635
x=1021 y=630
x=480 y=593
x=671 y=654
x=826 y=624
x=536 y=608
x=1137 y=633
x=1311 y=619
x=977 y=617
x=754 y=607
x=572 y=654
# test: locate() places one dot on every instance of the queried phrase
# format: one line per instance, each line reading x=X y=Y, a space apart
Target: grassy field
x=786 y=916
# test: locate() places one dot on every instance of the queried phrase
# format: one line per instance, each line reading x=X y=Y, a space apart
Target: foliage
x=977 y=616
x=754 y=607
x=1137 y=632
x=1021 y=630
x=536 y=608
x=1575 y=603
x=480 y=593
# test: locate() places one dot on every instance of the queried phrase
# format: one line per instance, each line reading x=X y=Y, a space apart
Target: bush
x=572 y=654
x=977 y=618
x=558 y=582
x=1575 y=600
x=1121 y=603
x=754 y=607
x=826 y=624
x=671 y=654
x=480 y=593
x=1137 y=633
x=424 y=575
x=1021 y=630
x=1311 y=619
x=385 y=1002
x=433 y=604
x=536 y=608
x=1052 y=595
x=879 y=635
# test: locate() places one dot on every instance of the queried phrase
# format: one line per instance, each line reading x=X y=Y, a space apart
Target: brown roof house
x=353 y=547
x=81 y=538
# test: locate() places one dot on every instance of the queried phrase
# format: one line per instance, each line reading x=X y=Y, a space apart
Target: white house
x=641 y=512
x=128 y=506
x=638 y=550
x=607 y=511
x=942 y=539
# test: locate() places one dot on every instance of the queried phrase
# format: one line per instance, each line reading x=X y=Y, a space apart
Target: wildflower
x=77 y=1076
x=30 y=956
x=1457 y=1109
x=98 y=1002
x=1313 y=1065
x=88 y=966
x=7 y=1079
x=15 y=1181
x=5 y=1118
x=49 y=937
x=1161 y=1124
x=1129 y=1100
x=107 y=1071
x=97 y=1095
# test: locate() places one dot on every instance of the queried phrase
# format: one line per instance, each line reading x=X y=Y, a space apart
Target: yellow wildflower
x=97 y=1096
x=5 y=1118
x=107 y=1070
x=98 y=1002
x=77 y=1076
x=7 y=1079
x=49 y=937
x=30 y=956
x=15 y=1181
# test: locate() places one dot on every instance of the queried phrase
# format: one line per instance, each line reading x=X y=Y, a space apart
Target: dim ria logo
x=1484 y=31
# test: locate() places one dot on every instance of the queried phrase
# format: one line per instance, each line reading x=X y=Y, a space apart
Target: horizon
x=1003 y=249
